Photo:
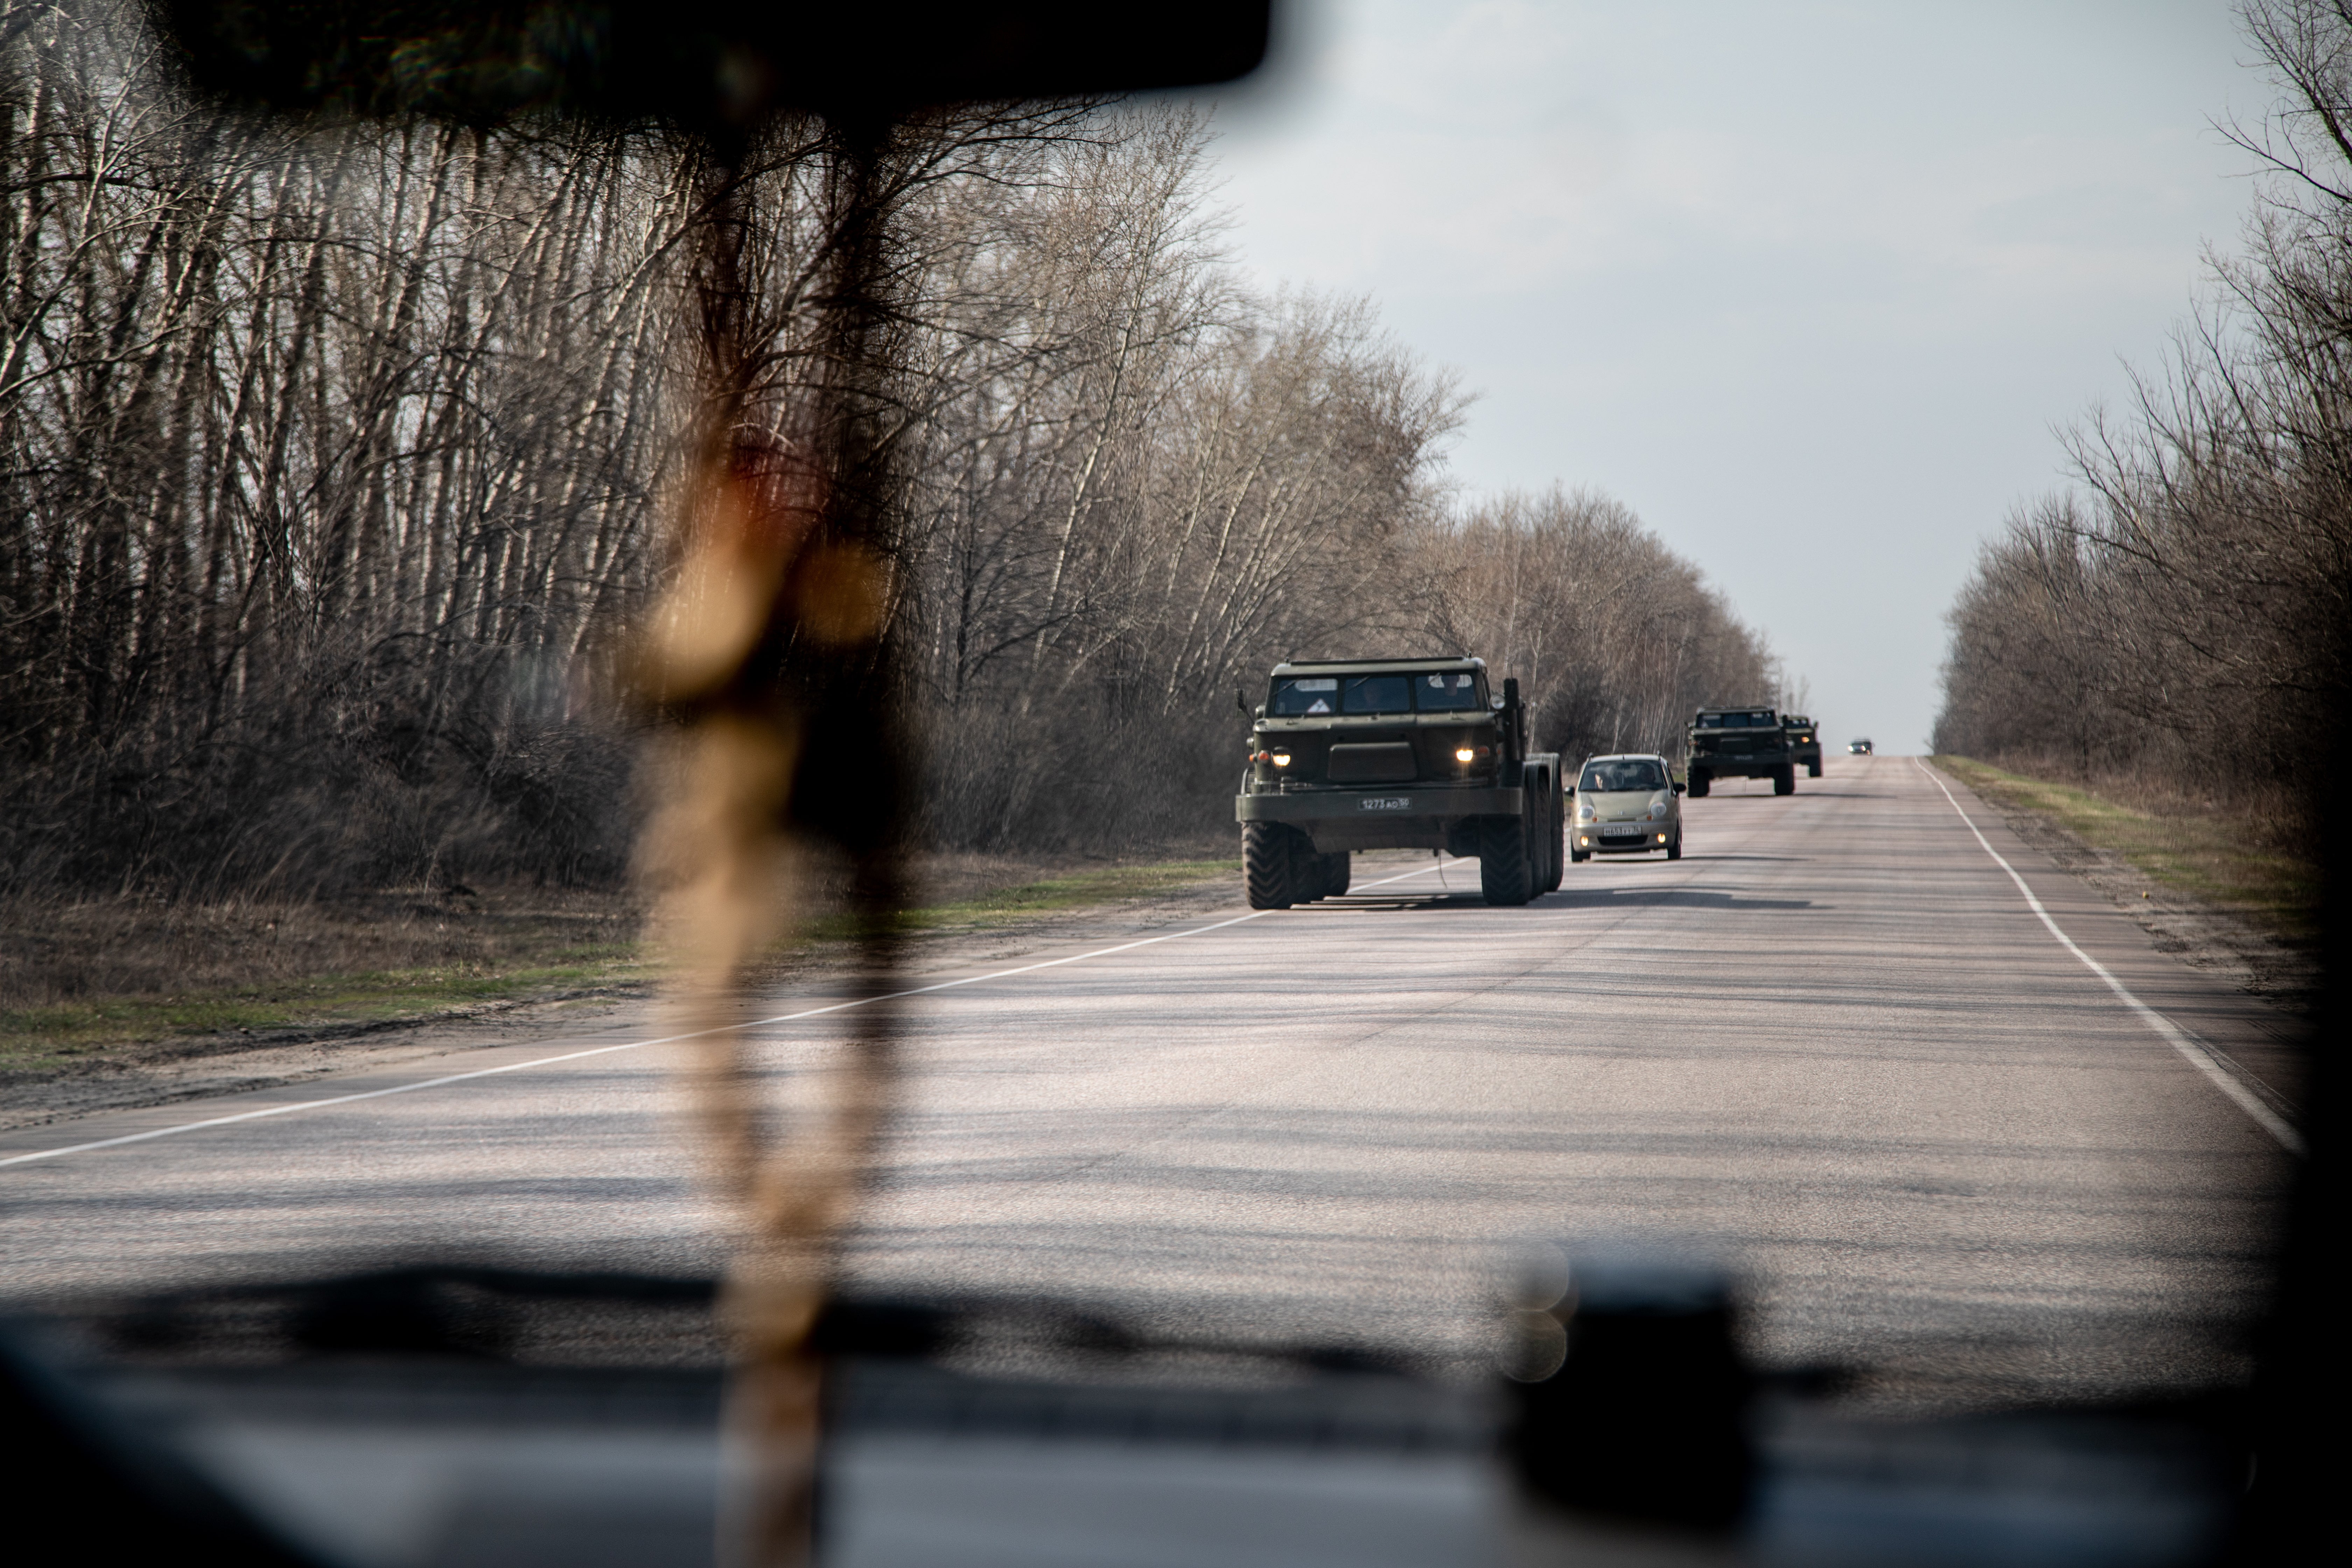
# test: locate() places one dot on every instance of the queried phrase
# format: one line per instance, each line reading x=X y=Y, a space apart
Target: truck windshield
x=1607 y=778
x=1377 y=694
x=1301 y=694
x=1734 y=721
x=1440 y=691
x=1445 y=692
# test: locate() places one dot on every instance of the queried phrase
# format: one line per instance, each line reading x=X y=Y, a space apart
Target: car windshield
x=1606 y=778
x=1443 y=691
x=1733 y=720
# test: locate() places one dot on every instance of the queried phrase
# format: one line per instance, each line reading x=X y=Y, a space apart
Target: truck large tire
x=1813 y=770
x=1784 y=778
x=1504 y=875
x=1337 y=870
x=1699 y=782
x=1267 y=860
x=1537 y=820
x=1556 y=839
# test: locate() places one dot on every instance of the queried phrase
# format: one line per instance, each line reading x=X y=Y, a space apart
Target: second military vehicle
x=1804 y=743
x=1394 y=754
x=1739 y=743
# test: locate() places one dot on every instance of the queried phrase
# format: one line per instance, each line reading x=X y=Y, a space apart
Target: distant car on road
x=1859 y=747
x=1739 y=743
x=1626 y=804
x=1804 y=743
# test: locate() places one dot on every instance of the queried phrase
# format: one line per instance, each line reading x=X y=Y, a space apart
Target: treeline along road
x=1833 y=1044
x=336 y=467
x=2179 y=620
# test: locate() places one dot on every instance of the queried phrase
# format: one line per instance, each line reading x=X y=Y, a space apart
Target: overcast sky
x=1809 y=286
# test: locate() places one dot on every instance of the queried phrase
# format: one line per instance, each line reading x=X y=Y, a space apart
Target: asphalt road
x=1833 y=1046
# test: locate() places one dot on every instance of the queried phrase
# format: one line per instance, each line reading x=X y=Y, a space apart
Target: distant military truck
x=1394 y=754
x=1739 y=743
x=1804 y=743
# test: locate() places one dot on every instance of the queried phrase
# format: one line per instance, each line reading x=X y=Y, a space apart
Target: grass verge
x=35 y=1039
x=1051 y=895
x=210 y=980
x=2206 y=856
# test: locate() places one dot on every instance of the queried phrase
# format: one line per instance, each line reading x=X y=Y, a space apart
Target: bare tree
x=331 y=462
x=1615 y=638
x=2188 y=601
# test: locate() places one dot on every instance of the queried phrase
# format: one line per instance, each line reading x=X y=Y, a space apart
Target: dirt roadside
x=2226 y=945
x=200 y=1067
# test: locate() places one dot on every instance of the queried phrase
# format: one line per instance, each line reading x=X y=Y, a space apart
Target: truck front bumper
x=1374 y=807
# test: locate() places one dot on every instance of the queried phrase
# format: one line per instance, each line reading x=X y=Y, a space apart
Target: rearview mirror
x=1680 y=788
x=1237 y=699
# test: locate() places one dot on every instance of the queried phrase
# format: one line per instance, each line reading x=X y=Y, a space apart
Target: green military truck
x=1739 y=743
x=1394 y=754
x=1804 y=743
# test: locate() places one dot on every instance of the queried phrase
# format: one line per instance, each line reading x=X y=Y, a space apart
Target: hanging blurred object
x=770 y=656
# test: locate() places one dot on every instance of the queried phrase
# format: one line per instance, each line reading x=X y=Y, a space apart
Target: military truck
x=1804 y=743
x=1739 y=743
x=1394 y=754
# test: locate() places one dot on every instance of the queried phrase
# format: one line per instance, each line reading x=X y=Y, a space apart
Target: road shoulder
x=2232 y=988
x=972 y=932
x=2198 y=931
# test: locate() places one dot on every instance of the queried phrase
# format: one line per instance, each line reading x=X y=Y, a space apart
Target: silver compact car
x=1626 y=804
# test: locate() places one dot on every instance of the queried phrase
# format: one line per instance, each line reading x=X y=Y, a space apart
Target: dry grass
x=984 y=907
x=2237 y=853
x=82 y=978
x=82 y=981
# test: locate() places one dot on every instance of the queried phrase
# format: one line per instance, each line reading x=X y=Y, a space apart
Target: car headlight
x=1583 y=813
x=1657 y=811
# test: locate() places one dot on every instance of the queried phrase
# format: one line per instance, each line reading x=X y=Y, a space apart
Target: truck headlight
x=1463 y=754
x=1281 y=759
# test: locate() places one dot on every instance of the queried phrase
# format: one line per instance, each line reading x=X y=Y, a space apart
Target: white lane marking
x=639 y=1045
x=2223 y=1073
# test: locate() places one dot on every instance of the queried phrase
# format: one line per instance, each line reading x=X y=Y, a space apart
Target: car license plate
x=1621 y=832
x=1385 y=802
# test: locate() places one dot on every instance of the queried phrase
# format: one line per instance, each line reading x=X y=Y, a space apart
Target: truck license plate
x=1385 y=802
